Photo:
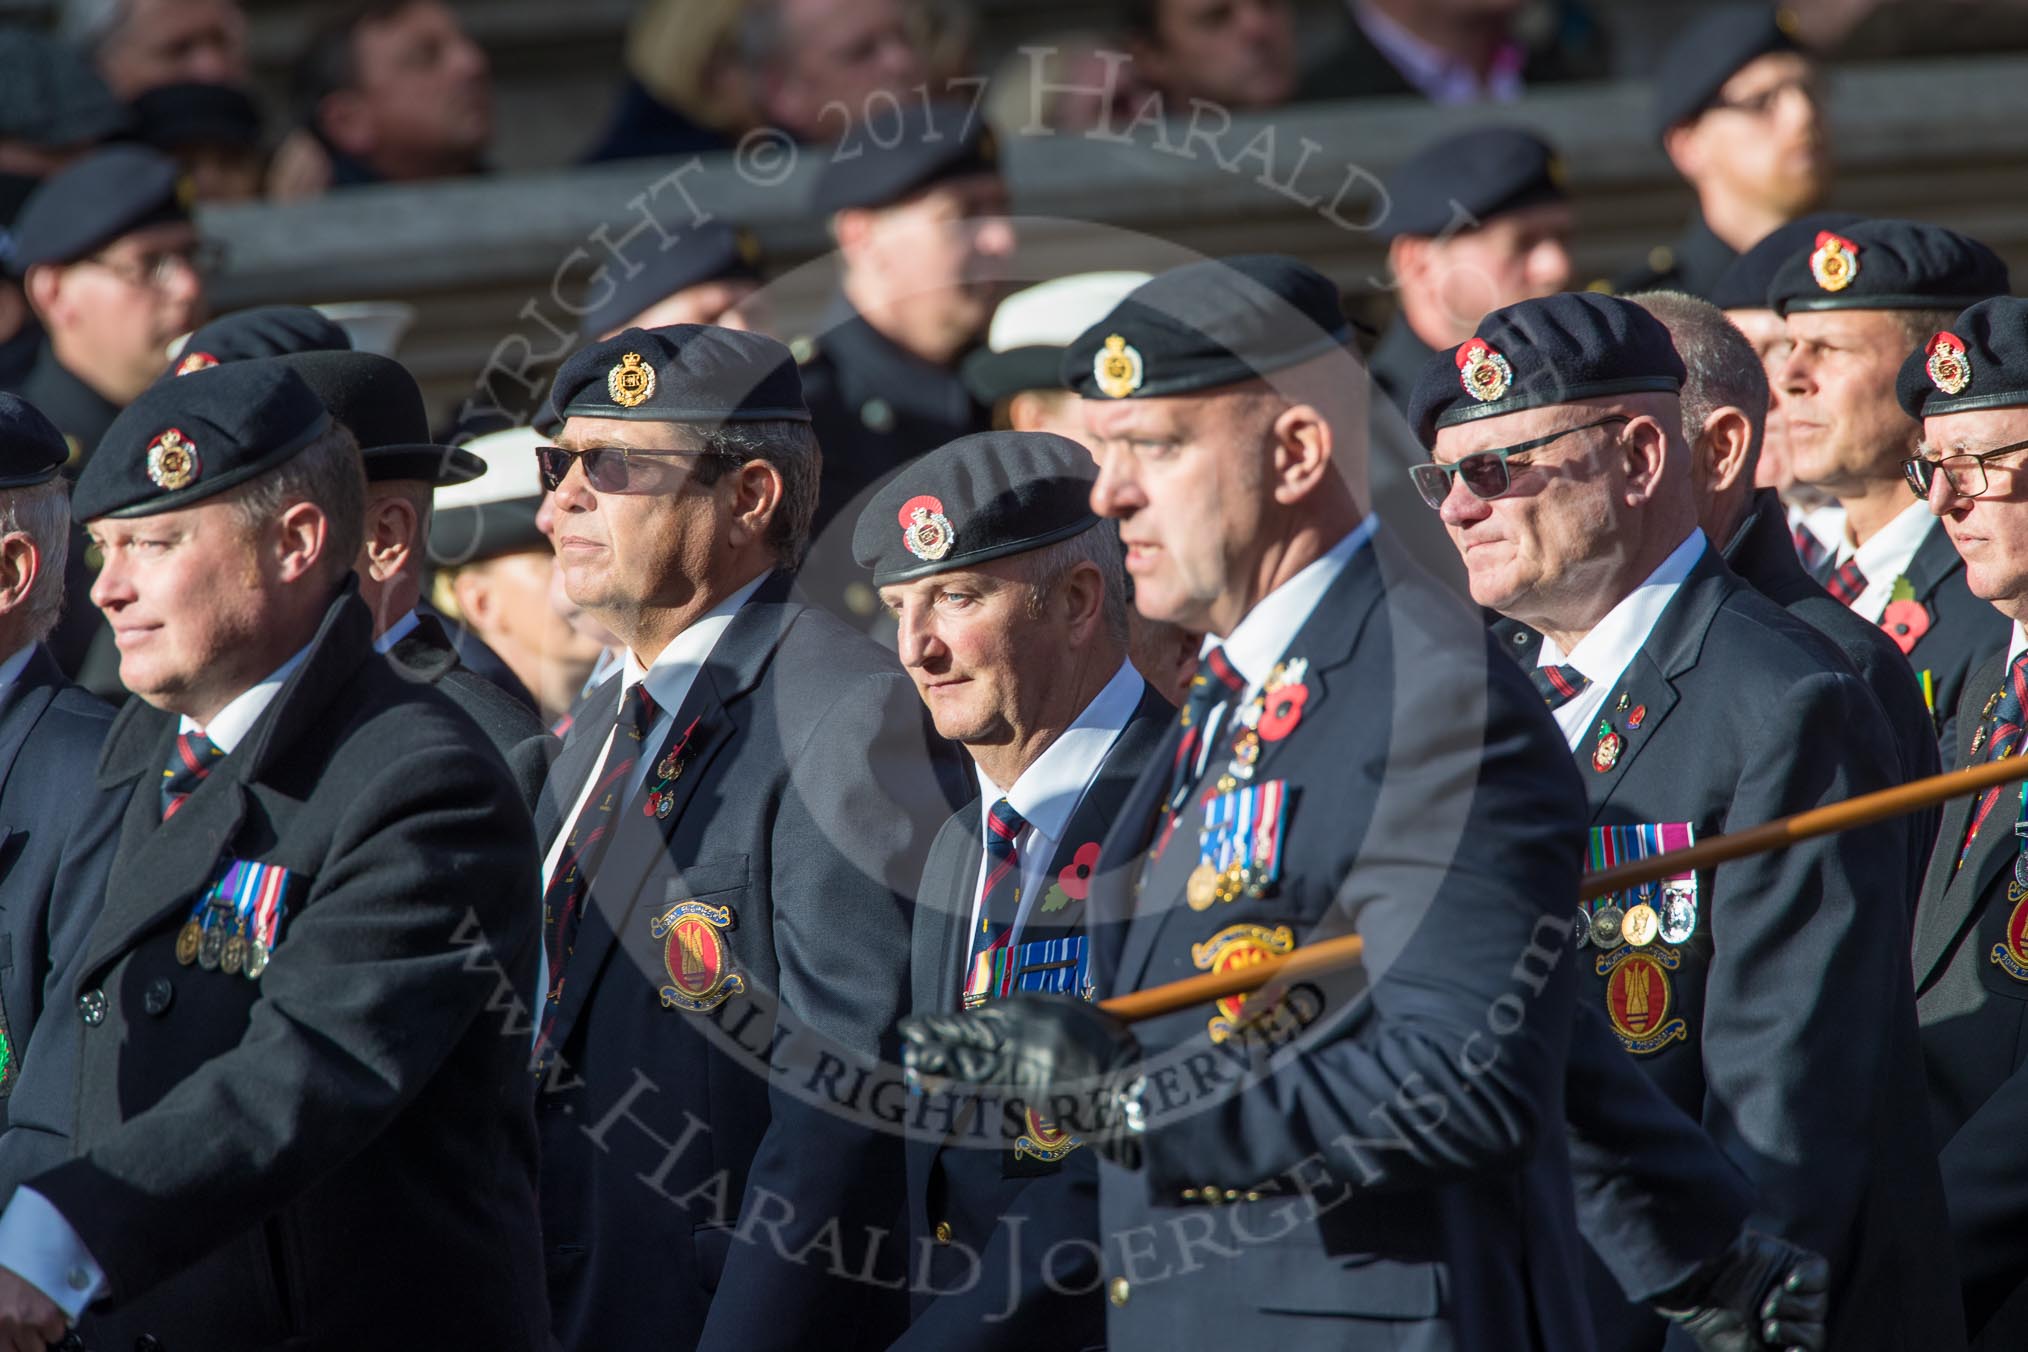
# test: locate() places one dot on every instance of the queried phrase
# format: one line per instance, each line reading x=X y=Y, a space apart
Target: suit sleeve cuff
x=39 y=1246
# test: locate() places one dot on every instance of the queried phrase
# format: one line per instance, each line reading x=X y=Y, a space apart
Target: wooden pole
x=1345 y=950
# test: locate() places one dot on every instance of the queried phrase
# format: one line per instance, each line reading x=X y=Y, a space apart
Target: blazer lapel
x=943 y=913
x=1934 y=560
x=1950 y=895
x=575 y=764
x=736 y=664
x=21 y=704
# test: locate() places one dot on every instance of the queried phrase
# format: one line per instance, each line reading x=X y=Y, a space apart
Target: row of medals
x=1609 y=927
x=212 y=949
x=1208 y=885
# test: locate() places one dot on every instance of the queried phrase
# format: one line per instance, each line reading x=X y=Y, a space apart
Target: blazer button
x=943 y=1232
x=158 y=997
x=1117 y=1291
x=92 y=1005
x=147 y=1342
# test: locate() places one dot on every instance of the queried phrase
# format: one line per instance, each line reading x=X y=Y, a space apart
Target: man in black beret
x=711 y=275
x=378 y=402
x=1815 y=520
x=1724 y=393
x=732 y=834
x=1011 y=599
x=923 y=247
x=1216 y=395
x=262 y=331
x=213 y=131
x=1739 y=112
x=1767 y=997
x=1474 y=221
x=290 y=1057
x=1854 y=301
x=1968 y=384
x=60 y=826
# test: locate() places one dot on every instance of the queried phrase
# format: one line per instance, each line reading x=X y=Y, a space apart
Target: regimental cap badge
x=925 y=529
x=1835 y=262
x=195 y=361
x=1949 y=368
x=631 y=383
x=747 y=245
x=1118 y=368
x=1483 y=372
x=172 y=461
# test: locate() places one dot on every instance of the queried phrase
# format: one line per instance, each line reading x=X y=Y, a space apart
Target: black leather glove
x=1033 y=1046
x=1761 y=1293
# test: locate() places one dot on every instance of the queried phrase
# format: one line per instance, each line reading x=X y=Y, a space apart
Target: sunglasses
x=608 y=469
x=1966 y=471
x=1485 y=472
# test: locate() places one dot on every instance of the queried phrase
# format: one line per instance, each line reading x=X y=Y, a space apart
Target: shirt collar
x=230 y=725
x=1258 y=641
x=1887 y=554
x=11 y=669
x=1606 y=650
x=1049 y=789
x=396 y=632
x=2015 y=647
x=670 y=675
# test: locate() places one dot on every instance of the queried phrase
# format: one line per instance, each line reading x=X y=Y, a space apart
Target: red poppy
x=1905 y=622
x=1076 y=880
x=1283 y=710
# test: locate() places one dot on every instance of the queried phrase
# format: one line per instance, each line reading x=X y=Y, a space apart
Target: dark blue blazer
x=682 y=1182
x=1006 y=1209
x=1974 y=1012
x=1963 y=632
x=1396 y=1177
x=57 y=830
x=1797 y=1045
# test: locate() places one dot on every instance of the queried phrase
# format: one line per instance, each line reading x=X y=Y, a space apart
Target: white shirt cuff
x=38 y=1245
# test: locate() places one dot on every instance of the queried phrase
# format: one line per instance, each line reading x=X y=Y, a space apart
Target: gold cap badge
x=1117 y=368
x=172 y=461
x=195 y=361
x=1949 y=368
x=925 y=530
x=1484 y=373
x=631 y=383
x=1835 y=262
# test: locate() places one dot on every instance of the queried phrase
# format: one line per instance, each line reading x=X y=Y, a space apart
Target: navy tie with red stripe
x=563 y=901
x=1846 y=582
x=2006 y=741
x=1000 y=901
x=190 y=762
x=1808 y=547
x=1558 y=686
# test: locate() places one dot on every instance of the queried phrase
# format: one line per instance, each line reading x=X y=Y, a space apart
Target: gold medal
x=187 y=940
x=234 y=957
x=1202 y=889
x=1640 y=925
x=1605 y=926
x=1230 y=884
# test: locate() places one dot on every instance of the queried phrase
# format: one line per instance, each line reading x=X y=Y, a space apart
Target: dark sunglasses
x=606 y=468
x=1485 y=472
x=1966 y=471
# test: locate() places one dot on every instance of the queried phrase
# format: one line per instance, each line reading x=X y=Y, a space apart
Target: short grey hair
x=42 y=513
x=326 y=473
x=1100 y=547
x=791 y=447
x=1721 y=369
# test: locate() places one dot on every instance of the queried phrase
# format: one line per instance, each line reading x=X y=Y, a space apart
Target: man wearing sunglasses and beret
x=732 y=835
x=1767 y=997
x=1968 y=385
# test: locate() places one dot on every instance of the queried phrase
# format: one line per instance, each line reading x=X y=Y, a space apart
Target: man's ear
x=44 y=287
x=302 y=533
x=1303 y=445
x=1084 y=599
x=346 y=122
x=852 y=227
x=1408 y=258
x=1644 y=443
x=1685 y=150
x=1723 y=446
x=757 y=490
x=390 y=537
x=20 y=562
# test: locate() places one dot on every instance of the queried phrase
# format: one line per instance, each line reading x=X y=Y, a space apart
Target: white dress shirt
x=1605 y=652
x=1264 y=633
x=396 y=632
x=1049 y=790
x=36 y=1243
x=669 y=679
x=1886 y=556
x=1825 y=521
